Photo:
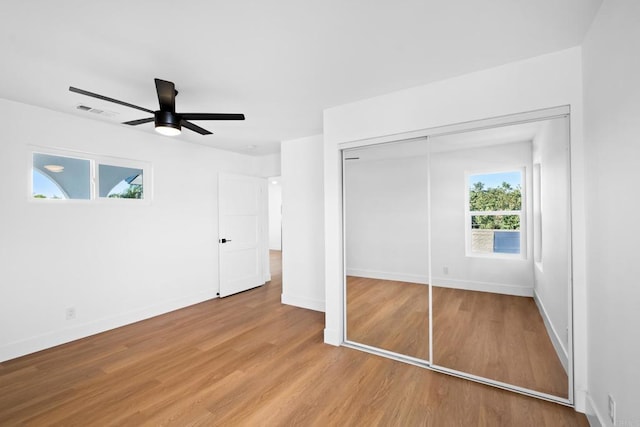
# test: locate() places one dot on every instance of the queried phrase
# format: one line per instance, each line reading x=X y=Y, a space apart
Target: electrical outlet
x=70 y=313
x=612 y=410
x=445 y=270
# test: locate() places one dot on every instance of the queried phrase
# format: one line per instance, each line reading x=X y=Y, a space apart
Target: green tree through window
x=134 y=191
x=502 y=198
x=494 y=213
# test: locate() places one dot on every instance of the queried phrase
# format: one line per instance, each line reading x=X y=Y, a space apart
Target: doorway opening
x=275 y=227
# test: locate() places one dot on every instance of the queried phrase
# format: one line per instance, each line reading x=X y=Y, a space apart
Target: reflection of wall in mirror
x=489 y=274
x=386 y=218
x=550 y=151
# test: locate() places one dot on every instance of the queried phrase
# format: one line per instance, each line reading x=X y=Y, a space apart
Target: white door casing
x=242 y=237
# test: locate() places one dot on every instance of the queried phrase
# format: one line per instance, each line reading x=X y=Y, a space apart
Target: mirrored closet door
x=386 y=250
x=457 y=253
x=500 y=254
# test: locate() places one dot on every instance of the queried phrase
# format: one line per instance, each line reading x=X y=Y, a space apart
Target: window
x=495 y=214
x=120 y=182
x=45 y=187
x=56 y=175
x=70 y=175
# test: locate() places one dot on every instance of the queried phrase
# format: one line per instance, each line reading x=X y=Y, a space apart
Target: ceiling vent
x=96 y=110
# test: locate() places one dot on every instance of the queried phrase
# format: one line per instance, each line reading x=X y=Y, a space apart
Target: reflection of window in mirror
x=494 y=213
x=537 y=215
x=60 y=177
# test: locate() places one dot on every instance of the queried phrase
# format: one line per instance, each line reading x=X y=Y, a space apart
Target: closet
x=458 y=252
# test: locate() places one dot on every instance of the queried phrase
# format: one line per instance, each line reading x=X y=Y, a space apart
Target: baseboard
x=76 y=332
x=386 y=275
x=496 y=288
x=562 y=353
x=593 y=415
x=302 y=302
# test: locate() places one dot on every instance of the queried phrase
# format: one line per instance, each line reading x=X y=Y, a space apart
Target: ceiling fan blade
x=139 y=121
x=195 y=128
x=106 y=98
x=166 y=95
x=212 y=116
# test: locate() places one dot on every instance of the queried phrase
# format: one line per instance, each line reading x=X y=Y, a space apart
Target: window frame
x=124 y=163
x=520 y=213
x=537 y=216
x=95 y=160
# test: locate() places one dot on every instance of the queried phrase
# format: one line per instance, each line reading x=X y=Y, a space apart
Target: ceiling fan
x=167 y=121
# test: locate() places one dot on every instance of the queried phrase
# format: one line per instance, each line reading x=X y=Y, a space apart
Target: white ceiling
x=280 y=62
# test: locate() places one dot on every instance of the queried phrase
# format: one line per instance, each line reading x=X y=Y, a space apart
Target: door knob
x=225 y=240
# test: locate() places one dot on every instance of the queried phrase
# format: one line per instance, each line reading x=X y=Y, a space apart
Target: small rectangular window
x=120 y=182
x=494 y=213
x=60 y=177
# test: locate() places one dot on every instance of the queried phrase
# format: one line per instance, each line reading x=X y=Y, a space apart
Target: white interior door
x=242 y=218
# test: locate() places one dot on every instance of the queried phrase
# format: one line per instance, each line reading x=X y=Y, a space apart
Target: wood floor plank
x=501 y=337
x=245 y=360
x=389 y=314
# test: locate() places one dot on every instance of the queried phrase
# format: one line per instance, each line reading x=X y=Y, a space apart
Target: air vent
x=96 y=110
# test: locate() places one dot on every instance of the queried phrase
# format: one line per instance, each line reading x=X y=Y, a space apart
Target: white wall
x=115 y=263
x=267 y=165
x=386 y=218
x=302 y=223
x=612 y=129
x=448 y=187
x=275 y=213
x=541 y=82
x=551 y=152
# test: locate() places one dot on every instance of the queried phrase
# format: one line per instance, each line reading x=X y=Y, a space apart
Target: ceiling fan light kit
x=167 y=121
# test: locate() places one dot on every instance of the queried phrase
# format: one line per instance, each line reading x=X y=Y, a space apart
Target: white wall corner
x=302 y=223
x=332 y=337
x=554 y=335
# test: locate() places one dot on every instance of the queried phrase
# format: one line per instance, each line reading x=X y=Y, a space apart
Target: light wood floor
x=245 y=360
x=496 y=336
x=389 y=314
x=501 y=337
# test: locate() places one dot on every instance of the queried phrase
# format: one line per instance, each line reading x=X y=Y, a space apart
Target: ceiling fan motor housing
x=167 y=119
